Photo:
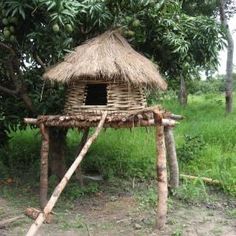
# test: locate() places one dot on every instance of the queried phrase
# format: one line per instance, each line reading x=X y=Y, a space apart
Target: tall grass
x=205 y=116
x=127 y=154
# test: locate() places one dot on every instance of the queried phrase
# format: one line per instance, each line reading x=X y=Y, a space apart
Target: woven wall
x=120 y=97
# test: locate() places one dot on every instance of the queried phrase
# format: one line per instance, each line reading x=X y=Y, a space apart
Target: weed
x=232 y=213
x=177 y=232
x=149 y=199
x=74 y=191
x=191 y=148
x=192 y=191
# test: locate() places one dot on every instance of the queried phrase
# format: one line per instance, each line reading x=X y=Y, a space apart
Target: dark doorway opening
x=96 y=94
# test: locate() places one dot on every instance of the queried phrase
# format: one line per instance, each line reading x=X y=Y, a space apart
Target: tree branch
x=6 y=47
x=28 y=102
x=13 y=65
x=9 y=91
x=39 y=61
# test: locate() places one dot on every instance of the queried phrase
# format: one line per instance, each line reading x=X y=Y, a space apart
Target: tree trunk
x=183 y=95
x=57 y=148
x=172 y=157
x=229 y=63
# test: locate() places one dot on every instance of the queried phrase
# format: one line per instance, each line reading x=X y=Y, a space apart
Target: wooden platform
x=130 y=119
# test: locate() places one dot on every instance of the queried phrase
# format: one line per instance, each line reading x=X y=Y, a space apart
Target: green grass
x=205 y=116
x=127 y=154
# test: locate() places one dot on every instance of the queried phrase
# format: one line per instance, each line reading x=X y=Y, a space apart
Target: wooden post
x=161 y=173
x=44 y=166
x=58 y=190
x=172 y=157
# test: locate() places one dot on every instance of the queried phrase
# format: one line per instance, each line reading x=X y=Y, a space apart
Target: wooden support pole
x=44 y=166
x=58 y=190
x=172 y=157
x=161 y=174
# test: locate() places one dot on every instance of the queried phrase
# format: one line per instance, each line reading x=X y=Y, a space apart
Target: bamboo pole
x=161 y=174
x=172 y=157
x=58 y=190
x=44 y=166
x=204 y=179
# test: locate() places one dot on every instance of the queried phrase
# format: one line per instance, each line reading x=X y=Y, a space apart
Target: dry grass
x=110 y=57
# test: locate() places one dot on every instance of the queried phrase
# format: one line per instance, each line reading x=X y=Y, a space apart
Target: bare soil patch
x=110 y=214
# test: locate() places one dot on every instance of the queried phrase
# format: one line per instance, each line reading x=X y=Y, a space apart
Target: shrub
x=199 y=87
x=158 y=97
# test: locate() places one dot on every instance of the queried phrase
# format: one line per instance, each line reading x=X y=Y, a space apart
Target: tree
x=229 y=64
x=36 y=34
x=224 y=8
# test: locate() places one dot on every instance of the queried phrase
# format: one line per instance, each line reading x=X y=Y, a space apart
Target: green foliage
x=191 y=148
x=159 y=97
x=207 y=7
x=123 y=150
x=192 y=191
x=232 y=213
x=121 y=153
x=23 y=161
x=201 y=7
x=200 y=87
x=228 y=180
x=73 y=191
x=177 y=232
x=3 y=171
x=149 y=199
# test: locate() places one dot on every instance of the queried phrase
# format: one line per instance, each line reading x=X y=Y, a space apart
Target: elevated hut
x=105 y=73
x=106 y=79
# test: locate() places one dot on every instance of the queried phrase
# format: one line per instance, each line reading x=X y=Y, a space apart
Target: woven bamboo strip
x=119 y=96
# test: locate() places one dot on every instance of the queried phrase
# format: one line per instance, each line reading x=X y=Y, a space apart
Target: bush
x=20 y=158
x=157 y=97
x=199 y=87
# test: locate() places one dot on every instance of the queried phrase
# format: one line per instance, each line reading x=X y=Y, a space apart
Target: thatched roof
x=108 y=56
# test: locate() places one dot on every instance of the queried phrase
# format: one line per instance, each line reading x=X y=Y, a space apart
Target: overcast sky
x=223 y=54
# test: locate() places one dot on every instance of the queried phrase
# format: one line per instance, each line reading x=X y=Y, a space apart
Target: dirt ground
x=106 y=214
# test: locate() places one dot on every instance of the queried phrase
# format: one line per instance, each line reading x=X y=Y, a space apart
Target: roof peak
x=111 y=57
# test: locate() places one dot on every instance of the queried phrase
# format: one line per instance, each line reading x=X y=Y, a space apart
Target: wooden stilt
x=78 y=171
x=172 y=157
x=52 y=201
x=44 y=166
x=161 y=174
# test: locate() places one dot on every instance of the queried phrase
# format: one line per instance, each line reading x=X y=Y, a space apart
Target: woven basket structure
x=120 y=98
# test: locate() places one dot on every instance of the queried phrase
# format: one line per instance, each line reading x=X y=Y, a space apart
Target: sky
x=223 y=54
